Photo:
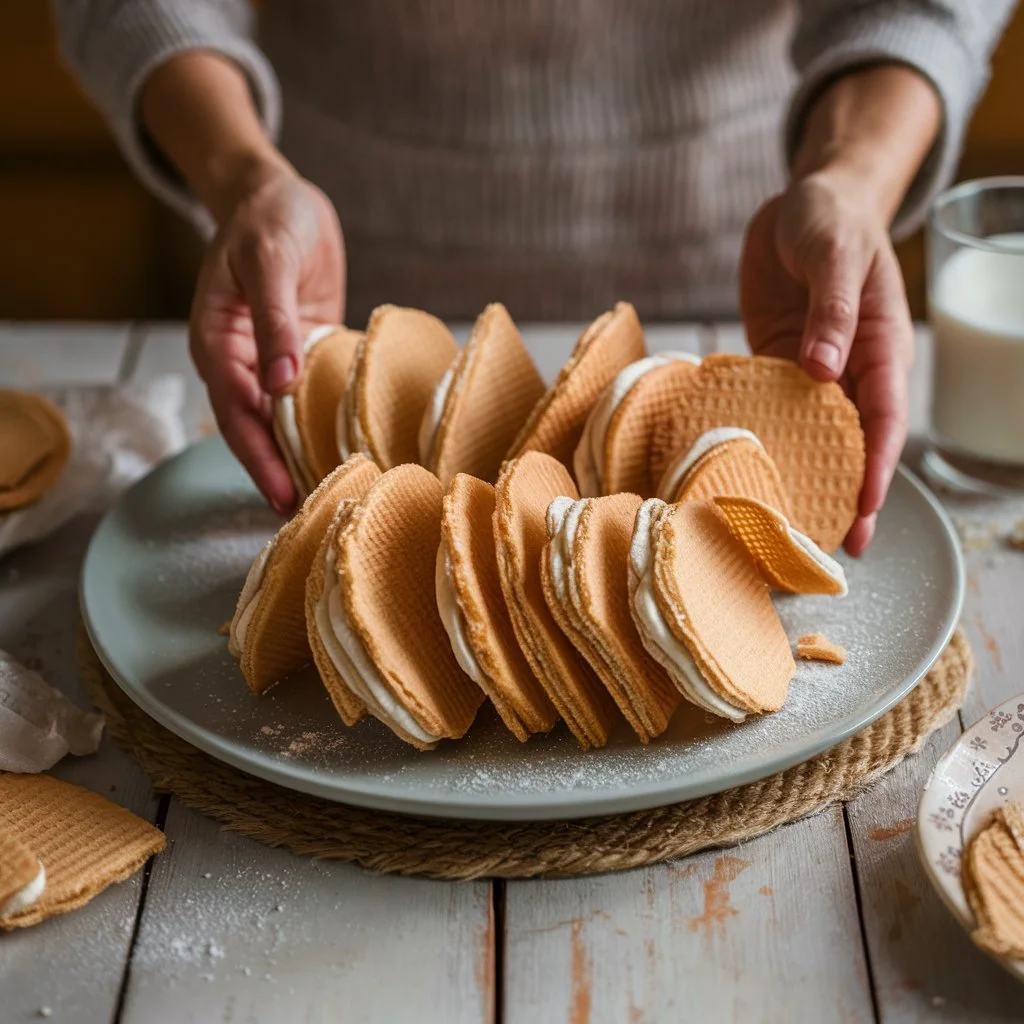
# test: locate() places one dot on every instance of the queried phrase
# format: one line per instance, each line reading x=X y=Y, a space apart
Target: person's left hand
x=820 y=284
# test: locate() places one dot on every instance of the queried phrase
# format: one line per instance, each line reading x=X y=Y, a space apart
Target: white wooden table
x=829 y=919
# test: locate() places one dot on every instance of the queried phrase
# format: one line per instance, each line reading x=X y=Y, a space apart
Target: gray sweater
x=557 y=155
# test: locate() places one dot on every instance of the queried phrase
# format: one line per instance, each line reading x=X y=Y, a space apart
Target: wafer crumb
x=818 y=647
x=1015 y=538
x=225 y=629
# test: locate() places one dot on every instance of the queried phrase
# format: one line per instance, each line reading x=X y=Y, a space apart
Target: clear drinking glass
x=975 y=243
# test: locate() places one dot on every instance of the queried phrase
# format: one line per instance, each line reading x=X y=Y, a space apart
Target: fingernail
x=280 y=373
x=828 y=355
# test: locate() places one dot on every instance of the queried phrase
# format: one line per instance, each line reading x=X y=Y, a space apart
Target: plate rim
x=555 y=805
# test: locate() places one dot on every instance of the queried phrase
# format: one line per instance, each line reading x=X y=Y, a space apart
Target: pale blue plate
x=165 y=567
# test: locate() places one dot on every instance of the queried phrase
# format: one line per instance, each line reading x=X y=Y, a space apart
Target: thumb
x=834 y=285
x=268 y=275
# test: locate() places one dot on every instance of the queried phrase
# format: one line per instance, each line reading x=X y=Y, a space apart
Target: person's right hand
x=275 y=267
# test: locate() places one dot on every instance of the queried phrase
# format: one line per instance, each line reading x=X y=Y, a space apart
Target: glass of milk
x=975 y=242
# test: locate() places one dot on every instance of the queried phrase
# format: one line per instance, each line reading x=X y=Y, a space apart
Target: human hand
x=820 y=284
x=275 y=267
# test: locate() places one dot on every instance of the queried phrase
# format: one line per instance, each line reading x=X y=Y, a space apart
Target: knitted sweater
x=556 y=155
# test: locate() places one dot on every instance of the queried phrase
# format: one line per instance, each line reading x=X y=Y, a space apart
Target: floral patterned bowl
x=981 y=771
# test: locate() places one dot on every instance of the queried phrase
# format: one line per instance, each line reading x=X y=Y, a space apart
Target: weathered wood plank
x=72 y=964
x=767 y=931
x=233 y=930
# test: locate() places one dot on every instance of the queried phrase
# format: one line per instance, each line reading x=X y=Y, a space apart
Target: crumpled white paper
x=38 y=724
x=118 y=433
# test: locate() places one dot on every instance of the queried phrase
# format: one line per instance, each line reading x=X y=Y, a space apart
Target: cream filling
x=453 y=618
x=348 y=432
x=675 y=473
x=825 y=561
x=432 y=418
x=252 y=591
x=659 y=640
x=286 y=429
x=349 y=657
x=27 y=896
x=588 y=459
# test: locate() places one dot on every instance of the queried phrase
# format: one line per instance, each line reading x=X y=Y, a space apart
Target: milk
x=976 y=308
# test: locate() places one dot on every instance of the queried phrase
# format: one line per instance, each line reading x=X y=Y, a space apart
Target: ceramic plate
x=981 y=771
x=165 y=567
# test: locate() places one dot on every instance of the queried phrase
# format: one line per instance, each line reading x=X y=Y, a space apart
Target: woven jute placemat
x=402 y=844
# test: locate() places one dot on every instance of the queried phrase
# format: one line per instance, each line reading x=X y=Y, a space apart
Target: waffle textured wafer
x=589 y=598
x=526 y=487
x=467 y=532
x=735 y=465
x=492 y=388
x=387 y=554
x=811 y=430
x=993 y=877
x=785 y=558
x=606 y=347
x=276 y=642
x=83 y=841
x=318 y=396
x=397 y=366
x=19 y=867
x=628 y=439
x=35 y=445
x=351 y=709
x=818 y=647
x=718 y=606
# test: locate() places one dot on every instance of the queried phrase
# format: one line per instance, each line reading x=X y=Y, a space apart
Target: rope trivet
x=402 y=844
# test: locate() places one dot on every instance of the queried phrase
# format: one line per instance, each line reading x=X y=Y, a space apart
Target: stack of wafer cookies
x=420 y=591
x=35 y=445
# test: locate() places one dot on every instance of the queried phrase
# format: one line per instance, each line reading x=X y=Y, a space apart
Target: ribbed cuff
x=924 y=43
x=143 y=35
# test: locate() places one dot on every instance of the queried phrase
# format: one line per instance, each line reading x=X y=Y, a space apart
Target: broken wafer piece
x=481 y=402
x=35 y=445
x=587 y=590
x=304 y=422
x=81 y=843
x=612 y=456
x=725 y=461
x=22 y=876
x=383 y=615
x=607 y=346
x=472 y=608
x=811 y=430
x=785 y=557
x=526 y=487
x=818 y=647
x=993 y=879
x=268 y=630
x=397 y=366
x=704 y=613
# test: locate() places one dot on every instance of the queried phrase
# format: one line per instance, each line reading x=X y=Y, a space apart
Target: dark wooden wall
x=81 y=239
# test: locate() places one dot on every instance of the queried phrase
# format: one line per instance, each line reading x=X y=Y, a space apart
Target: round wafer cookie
x=35 y=445
x=319 y=393
x=785 y=558
x=607 y=346
x=599 y=603
x=993 y=879
x=387 y=554
x=83 y=841
x=397 y=366
x=627 y=466
x=811 y=430
x=526 y=487
x=493 y=386
x=467 y=531
x=737 y=465
x=717 y=605
x=276 y=642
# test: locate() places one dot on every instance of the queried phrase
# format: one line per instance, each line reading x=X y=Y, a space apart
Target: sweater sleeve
x=948 y=41
x=113 y=45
